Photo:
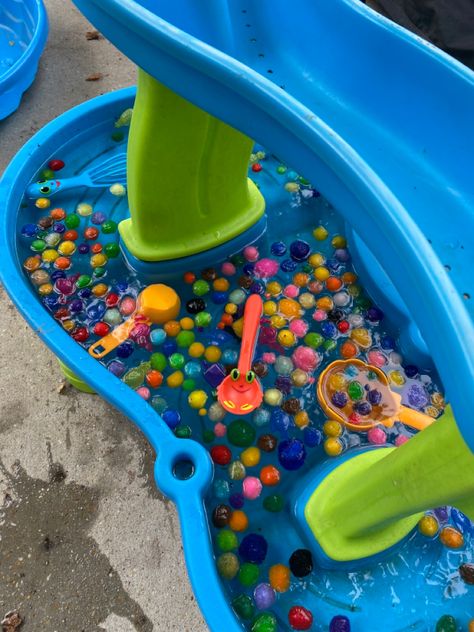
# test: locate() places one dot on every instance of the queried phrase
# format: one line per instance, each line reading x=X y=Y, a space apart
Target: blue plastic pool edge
x=22 y=74
x=187 y=495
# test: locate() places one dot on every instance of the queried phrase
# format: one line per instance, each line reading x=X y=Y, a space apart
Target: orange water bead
x=189 y=277
x=289 y=308
x=349 y=277
x=91 y=232
x=270 y=475
x=32 y=263
x=70 y=235
x=470 y=626
x=451 y=538
x=349 y=349
x=221 y=285
x=238 y=520
x=57 y=213
x=62 y=263
x=96 y=248
x=227 y=320
x=333 y=284
x=301 y=279
x=279 y=577
x=100 y=289
x=154 y=378
x=172 y=328
x=325 y=303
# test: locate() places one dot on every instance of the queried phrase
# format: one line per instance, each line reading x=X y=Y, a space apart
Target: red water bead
x=61 y=313
x=300 y=618
x=81 y=334
x=101 y=329
x=112 y=299
x=256 y=167
x=354 y=418
x=189 y=277
x=154 y=378
x=227 y=319
x=70 y=235
x=55 y=164
x=91 y=232
x=343 y=326
x=221 y=455
x=96 y=248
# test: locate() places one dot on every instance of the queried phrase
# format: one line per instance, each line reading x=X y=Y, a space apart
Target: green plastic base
x=74 y=380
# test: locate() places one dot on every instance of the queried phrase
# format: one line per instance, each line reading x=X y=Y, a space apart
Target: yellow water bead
x=338 y=241
x=84 y=210
x=45 y=288
x=231 y=308
x=175 y=379
x=320 y=233
x=278 y=321
x=325 y=303
x=32 y=263
x=196 y=349
x=172 y=328
x=299 y=378
x=274 y=288
x=286 y=338
x=67 y=248
x=332 y=446
x=270 y=308
x=238 y=327
x=301 y=419
x=292 y=187
x=432 y=411
x=396 y=378
x=348 y=278
x=428 y=526
x=98 y=260
x=43 y=203
x=250 y=457
x=212 y=354
x=289 y=308
x=362 y=337
x=337 y=381
x=68 y=325
x=437 y=400
x=332 y=428
x=301 y=279
x=306 y=300
x=186 y=323
x=197 y=399
x=49 y=255
x=322 y=273
x=354 y=290
x=316 y=259
x=100 y=289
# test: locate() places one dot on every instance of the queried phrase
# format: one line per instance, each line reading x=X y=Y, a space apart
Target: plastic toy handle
x=252 y=315
x=413 y=418
x=112 y=340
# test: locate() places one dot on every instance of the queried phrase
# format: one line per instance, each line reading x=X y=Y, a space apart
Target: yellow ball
x=289 y=308
x=202 y=412
x=274 y=288
x=321 y=273
x=320 y=233
x=438 y=400
x=250 y=457
x=269 y=308
x=196 y=349
x=432 y=411
x=98 y=260
x=221 y=285
x=332 y=446
x=337 y=381
x=292 y=187
x=338 y=241
x=68 y=325
x=187 y=323
x=230 y=308
x=286 y=338
x=43 y=203
x=316 y=260
x=67 y=248
x=428 y=526
x=49 y=255
x=100 y=289
x=277 y=321
x=45 y=289
x=213 y=354
x=273 y=397
x=175 y=379
x=306 y=300
x=118 y=189
x=362 y=337
x=325 y=303
x=332 y=428
x=301 y=419
x=299 y=378
x=197 y=399
x=84 y=210
x=396 y=378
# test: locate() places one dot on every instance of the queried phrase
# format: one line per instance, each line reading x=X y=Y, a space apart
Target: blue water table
x=262 y=256
x=23 y=33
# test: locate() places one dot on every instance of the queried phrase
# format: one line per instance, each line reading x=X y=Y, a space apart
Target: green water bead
x=42 y=234
x=176 y=360
x=228 y=565
x=38 y=245
x=134 y=377
x=159 y=404
x=48 y=174
x=447 y=623
x=109 y=226
x=329 y=345
x=281 y=169
x=158 y=361
x=313 y=340
x=355 y=390
x=208 y=436
x=83 y=281
x=307 y=268
x=236 y=470
x=265 y=622
x=188 y=385
x=238 y=260
x=363 y=302
x=99 y=271
x=241 y=433
x=200 y=287
x=72 y=220
x=112 y=250
x=226 y=540
x=248 y=574
x=274 y=503
x=183 y=432
x=185 y=338
x=117 y=136
x=243 y=606
x=203 y=319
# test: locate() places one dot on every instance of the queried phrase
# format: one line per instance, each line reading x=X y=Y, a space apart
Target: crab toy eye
x=45 y=189
x=249 y=377
x=235 y=374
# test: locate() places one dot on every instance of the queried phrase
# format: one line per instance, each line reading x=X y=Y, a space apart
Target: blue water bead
x=279 y=421
x=288 y=265
x=96 y=311
x=342 y=254
x=333 y=264
x=299 y=250
x=214 y=374
x=83 y=249
x=315 y=193
x=340 y=623
x=57 y=274
x=157 y=336
x=328 y=329
x=278 y=249
x=374 y=314
x=219 y=338
x=261 y=417
x=219 y=298
x=363 y=408
x=230 y=356
x=51 y=302
x=291 y=454
x=248 y=268
x=257 y=287
x=98 y=217
x=85 y=293
x=461 y=521
x=237 y=500
x=59 y=228
x=387 y=342
x=76 y=306
x=292 y=175
x=339 y=399
x=442 y=514
x=417 y=396
x=125 y=349
x=29 y=230
x=374 y=397
x=283 y=384
x=411 y=370
x=253 y=548
x=312 y=437
x=121 y=286
x=171 y=418
x=117 y=368
x=221 y=489
x=192 y=369
x=169 y=347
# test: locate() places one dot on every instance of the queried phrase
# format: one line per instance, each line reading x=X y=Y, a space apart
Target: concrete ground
x=86 y=541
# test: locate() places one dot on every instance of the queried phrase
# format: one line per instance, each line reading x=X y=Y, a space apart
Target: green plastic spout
x=188 y=188
x=371 y=502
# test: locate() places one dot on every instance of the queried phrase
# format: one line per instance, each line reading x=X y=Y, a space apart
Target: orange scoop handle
x=252 y=314
x=112 y=340
x=413 y=418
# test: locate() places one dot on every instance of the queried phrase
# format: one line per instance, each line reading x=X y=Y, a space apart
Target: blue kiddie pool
x=262 y=256
x=23 y=33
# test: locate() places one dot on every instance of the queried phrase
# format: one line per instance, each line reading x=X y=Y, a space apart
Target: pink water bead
x=266 y=268
x=228 y=268
x=144 y=392
x=251 y=487
x=377 y=436
x=127 y=306
x=291 y=291
x=400 y=440
x=376 y=358
x=251 y=253
x=268 y=357
x=220 y=430
x=299 y=327
x=306 y=359
x=319 y=315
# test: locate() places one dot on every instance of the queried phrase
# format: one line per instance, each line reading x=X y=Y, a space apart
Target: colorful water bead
x=428 y=526
x=279 y=577
x=446 y=623
x=248 y=574
x=264 y=596
x=451 y=538
x=228 y=565
x=243 y=606
x=340 y=623
x=253 y=548
x=291 y=454
x=300 y=618
x=238 y=521
x=251 y=487
x=265 y=622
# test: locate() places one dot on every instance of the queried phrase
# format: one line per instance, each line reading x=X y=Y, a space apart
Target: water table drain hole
x=183 y=469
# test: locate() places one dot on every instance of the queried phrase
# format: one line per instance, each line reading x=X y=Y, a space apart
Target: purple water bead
x=214 y=374
x=374 y=314
x=117 y=368
x=125 y=349
x=29 y=230
x=237 y=500
x=264 y=596
x=65 y=286
x=342 y=254
x=299 y=250
x=248 y=268
x=76 y=306
x=140 y=334
x=374 y=397
x=340 y=623
x=257 y=287
x=253 y=548
x=363 y=408
x=98 y=217
x=283 y=384
x=83 y=249
x=267 y=335
x=288 y=265
x=411 y=370
x=57 y=274
x=442 y=514
x=59 y=228
x=339 y=399
x=291 y=454
x=417 y=396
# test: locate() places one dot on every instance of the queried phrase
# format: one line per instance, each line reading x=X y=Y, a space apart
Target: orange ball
x=221 y=285
x=270 y=475
x=189 y=277
x=301 y=279
x=58 y=213
x=154 y=378
x=172 y=328
x=279 y=577
x=451 y=538
x=32 y=263
x=96 y=248
x=333 y=284
x=70 y=235
x=62 y=263
x=238 y=521
x=349 y=277
x=470 y=626
x=325 y=303
x=349 y=349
